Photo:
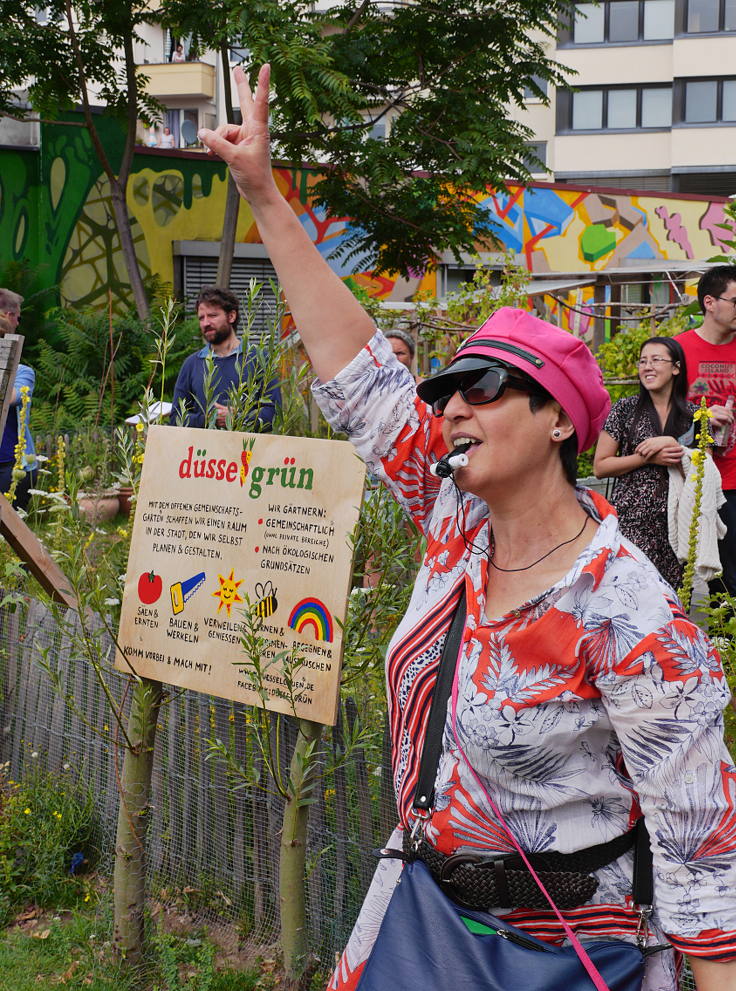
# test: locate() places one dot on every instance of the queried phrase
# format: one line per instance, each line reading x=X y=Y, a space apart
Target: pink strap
x=590 y=967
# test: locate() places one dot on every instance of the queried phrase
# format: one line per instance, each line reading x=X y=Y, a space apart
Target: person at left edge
x=218 y=311
x=10 y=304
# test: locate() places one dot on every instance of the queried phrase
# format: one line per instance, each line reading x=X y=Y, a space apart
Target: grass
x=62 y=950
x=72 y=951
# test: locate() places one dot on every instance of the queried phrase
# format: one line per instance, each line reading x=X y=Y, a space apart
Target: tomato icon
x=150 y=587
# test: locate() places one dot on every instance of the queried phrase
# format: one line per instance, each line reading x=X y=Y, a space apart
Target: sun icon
x=227 y=593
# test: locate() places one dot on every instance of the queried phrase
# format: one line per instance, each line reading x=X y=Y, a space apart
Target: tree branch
x=131 y=84
x=84 y=97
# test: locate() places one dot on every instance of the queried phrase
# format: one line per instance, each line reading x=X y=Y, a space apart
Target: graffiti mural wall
x=55 y=212
x=559 y=229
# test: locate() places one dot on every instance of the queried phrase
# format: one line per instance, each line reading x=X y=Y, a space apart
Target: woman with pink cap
x=582 y=695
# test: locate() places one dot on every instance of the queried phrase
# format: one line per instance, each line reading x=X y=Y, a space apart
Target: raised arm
x=332 y=324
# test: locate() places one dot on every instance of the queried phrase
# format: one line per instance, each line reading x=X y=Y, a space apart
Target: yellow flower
x=697 y=457
x=26 y=812
x=56 y=815
x=139 y=427
x=702 y=414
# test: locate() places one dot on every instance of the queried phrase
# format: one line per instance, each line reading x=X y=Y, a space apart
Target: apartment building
x=654 y=98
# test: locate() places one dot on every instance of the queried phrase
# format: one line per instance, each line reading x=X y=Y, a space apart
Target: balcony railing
x=193 y=80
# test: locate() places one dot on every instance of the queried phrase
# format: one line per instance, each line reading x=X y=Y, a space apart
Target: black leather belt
x=484 y=881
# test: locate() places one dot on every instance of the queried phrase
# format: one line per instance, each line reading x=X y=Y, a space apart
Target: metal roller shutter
x=198 y=272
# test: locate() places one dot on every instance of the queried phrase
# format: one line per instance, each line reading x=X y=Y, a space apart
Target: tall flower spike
x=19 y=453
x=701 y=416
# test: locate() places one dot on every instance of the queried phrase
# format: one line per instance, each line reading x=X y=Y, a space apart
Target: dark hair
x=714 y=282
x=222 y=298
x=679 y=416
x=569 y=447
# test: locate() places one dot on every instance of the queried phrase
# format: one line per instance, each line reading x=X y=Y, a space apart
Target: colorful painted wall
x=55 y=212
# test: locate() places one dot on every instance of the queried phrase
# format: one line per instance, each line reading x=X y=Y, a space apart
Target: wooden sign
x=224 y=520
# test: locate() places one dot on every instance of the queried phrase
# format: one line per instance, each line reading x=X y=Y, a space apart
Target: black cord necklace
x=528 y=566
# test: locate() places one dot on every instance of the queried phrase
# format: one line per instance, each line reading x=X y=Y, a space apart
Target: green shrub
x=44 y=823
x=96 y=371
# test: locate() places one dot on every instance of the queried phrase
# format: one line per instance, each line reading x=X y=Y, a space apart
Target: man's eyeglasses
x=728 y=299
x=481 y=387
x=656 y=362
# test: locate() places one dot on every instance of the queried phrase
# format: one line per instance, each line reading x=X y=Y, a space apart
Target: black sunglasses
x=482 y=386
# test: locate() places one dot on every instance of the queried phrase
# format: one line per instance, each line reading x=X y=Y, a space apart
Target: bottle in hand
x=722 y=434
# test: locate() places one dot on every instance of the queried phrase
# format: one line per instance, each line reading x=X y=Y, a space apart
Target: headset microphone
x=449 y=464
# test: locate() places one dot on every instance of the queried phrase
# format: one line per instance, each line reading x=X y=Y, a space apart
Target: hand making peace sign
x=332 y=324
x=246 y=147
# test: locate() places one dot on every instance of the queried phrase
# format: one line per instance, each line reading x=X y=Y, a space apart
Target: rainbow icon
x=312 y=612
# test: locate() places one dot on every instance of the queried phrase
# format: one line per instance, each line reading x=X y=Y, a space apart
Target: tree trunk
x=119 y=182
x=293 y=857
x=122 y=222
x=129 y=879
x=229 y=225
x=232 y=199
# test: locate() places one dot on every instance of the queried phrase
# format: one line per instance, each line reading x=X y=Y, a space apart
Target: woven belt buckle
x=456 y=860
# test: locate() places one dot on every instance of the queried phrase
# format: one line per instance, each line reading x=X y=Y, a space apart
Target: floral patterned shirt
x=577 y=710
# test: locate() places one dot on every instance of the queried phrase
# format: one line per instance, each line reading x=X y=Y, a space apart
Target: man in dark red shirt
x=710 y=351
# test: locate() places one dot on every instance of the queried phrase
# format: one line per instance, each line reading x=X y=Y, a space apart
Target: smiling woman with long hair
x=639 y=443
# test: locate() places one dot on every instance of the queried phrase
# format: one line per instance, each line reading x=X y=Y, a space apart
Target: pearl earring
x=556 y=434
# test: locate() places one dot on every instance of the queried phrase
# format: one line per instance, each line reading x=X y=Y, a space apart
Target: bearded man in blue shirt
x=220 y=371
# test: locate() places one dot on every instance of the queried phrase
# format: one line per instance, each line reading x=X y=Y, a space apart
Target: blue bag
x=424 y=945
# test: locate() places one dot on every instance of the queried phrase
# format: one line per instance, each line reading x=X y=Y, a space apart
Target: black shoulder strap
x=643 y=892
x=424 y=793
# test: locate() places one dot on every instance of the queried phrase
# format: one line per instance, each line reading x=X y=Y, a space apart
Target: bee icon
x=267 y=602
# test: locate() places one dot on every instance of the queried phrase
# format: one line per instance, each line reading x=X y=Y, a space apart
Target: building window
x=709 y=101
x=183 y=125
x=531 y=94
x=587 y=110
x=536 y=153
x=619 y=108
x=710 y=16
x=656 y=106
x=624 y=21
x=377 y=130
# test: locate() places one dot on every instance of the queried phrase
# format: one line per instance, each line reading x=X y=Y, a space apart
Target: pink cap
x=560 y=362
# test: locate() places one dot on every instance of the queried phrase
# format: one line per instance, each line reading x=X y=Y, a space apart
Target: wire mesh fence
x=214 y=831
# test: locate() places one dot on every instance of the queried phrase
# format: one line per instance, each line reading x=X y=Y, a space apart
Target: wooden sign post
x=11 y=346
x=20 y=537
x=227 y=519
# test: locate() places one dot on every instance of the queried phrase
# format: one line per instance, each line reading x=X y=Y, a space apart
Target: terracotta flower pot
x=125 y=494
x=99 y=507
